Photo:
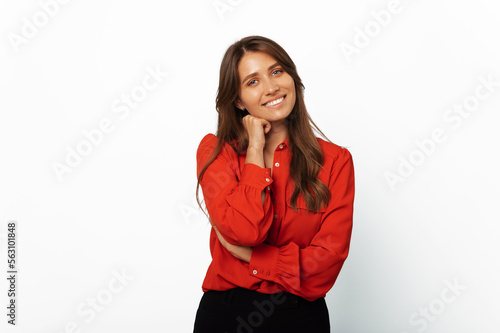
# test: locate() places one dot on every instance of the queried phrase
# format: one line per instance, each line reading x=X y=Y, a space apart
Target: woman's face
x=266 y=90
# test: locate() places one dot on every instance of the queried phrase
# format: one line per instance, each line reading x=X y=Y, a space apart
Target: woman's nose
x=272 y=87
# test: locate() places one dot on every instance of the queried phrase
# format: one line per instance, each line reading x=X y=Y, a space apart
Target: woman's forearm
x=241 y=252
x=256 y=156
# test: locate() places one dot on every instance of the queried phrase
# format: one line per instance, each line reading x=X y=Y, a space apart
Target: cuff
x=254 y=175
x=263 y=261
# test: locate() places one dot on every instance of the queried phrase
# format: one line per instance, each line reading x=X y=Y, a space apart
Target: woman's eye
x=251 y=82
x=277 y=71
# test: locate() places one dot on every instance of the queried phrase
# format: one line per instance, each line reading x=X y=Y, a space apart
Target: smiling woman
x=268 y=92
x=279 y=199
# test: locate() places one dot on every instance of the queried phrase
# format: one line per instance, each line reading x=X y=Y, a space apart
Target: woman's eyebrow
x=255 y=73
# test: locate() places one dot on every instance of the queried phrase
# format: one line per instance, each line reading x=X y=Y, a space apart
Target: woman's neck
x=277 y=134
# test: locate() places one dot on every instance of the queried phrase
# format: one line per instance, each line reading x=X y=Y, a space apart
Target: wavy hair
x=307 y=156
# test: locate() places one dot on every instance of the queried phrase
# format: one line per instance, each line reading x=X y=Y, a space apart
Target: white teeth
x=277 y=101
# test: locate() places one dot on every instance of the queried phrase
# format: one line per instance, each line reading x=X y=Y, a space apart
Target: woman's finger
x=256 y=128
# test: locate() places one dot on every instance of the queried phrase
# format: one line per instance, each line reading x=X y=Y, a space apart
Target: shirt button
x=254 y=271
x=268 y=180
x=274 y=200
x=268 y=188
x=276 y=164
x=281 y=146
x=275 y=216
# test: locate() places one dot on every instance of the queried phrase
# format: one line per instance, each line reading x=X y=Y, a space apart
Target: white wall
x=424 y=252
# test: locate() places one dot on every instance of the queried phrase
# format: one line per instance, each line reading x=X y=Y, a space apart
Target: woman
x=280 y=200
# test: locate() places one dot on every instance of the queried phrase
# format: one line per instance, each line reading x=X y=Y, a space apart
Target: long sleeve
x=235 y=205
x=311 y=271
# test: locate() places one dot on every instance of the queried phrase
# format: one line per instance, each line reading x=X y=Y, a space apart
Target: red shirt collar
x=284 y=143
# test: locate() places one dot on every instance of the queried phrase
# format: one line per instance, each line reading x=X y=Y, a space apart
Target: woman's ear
x=238 y=105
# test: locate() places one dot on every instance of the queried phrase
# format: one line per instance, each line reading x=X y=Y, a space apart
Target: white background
x=128 y=206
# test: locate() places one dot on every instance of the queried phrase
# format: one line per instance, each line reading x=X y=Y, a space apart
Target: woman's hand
x=256 y=129
x=241 y=252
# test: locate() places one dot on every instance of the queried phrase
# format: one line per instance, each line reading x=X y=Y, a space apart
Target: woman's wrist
x=255 y=155
x=241 y=252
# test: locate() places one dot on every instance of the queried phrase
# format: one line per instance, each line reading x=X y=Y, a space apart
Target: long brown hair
x=307 y=156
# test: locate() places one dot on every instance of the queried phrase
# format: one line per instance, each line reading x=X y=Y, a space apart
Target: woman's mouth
x=276 y=101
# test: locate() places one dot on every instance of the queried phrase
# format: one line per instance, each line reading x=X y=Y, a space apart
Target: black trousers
x=241 y=310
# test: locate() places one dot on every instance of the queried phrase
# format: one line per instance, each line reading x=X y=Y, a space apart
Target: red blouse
x=298 y=252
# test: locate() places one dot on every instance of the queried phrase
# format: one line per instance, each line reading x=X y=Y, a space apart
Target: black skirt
x=240 y=310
